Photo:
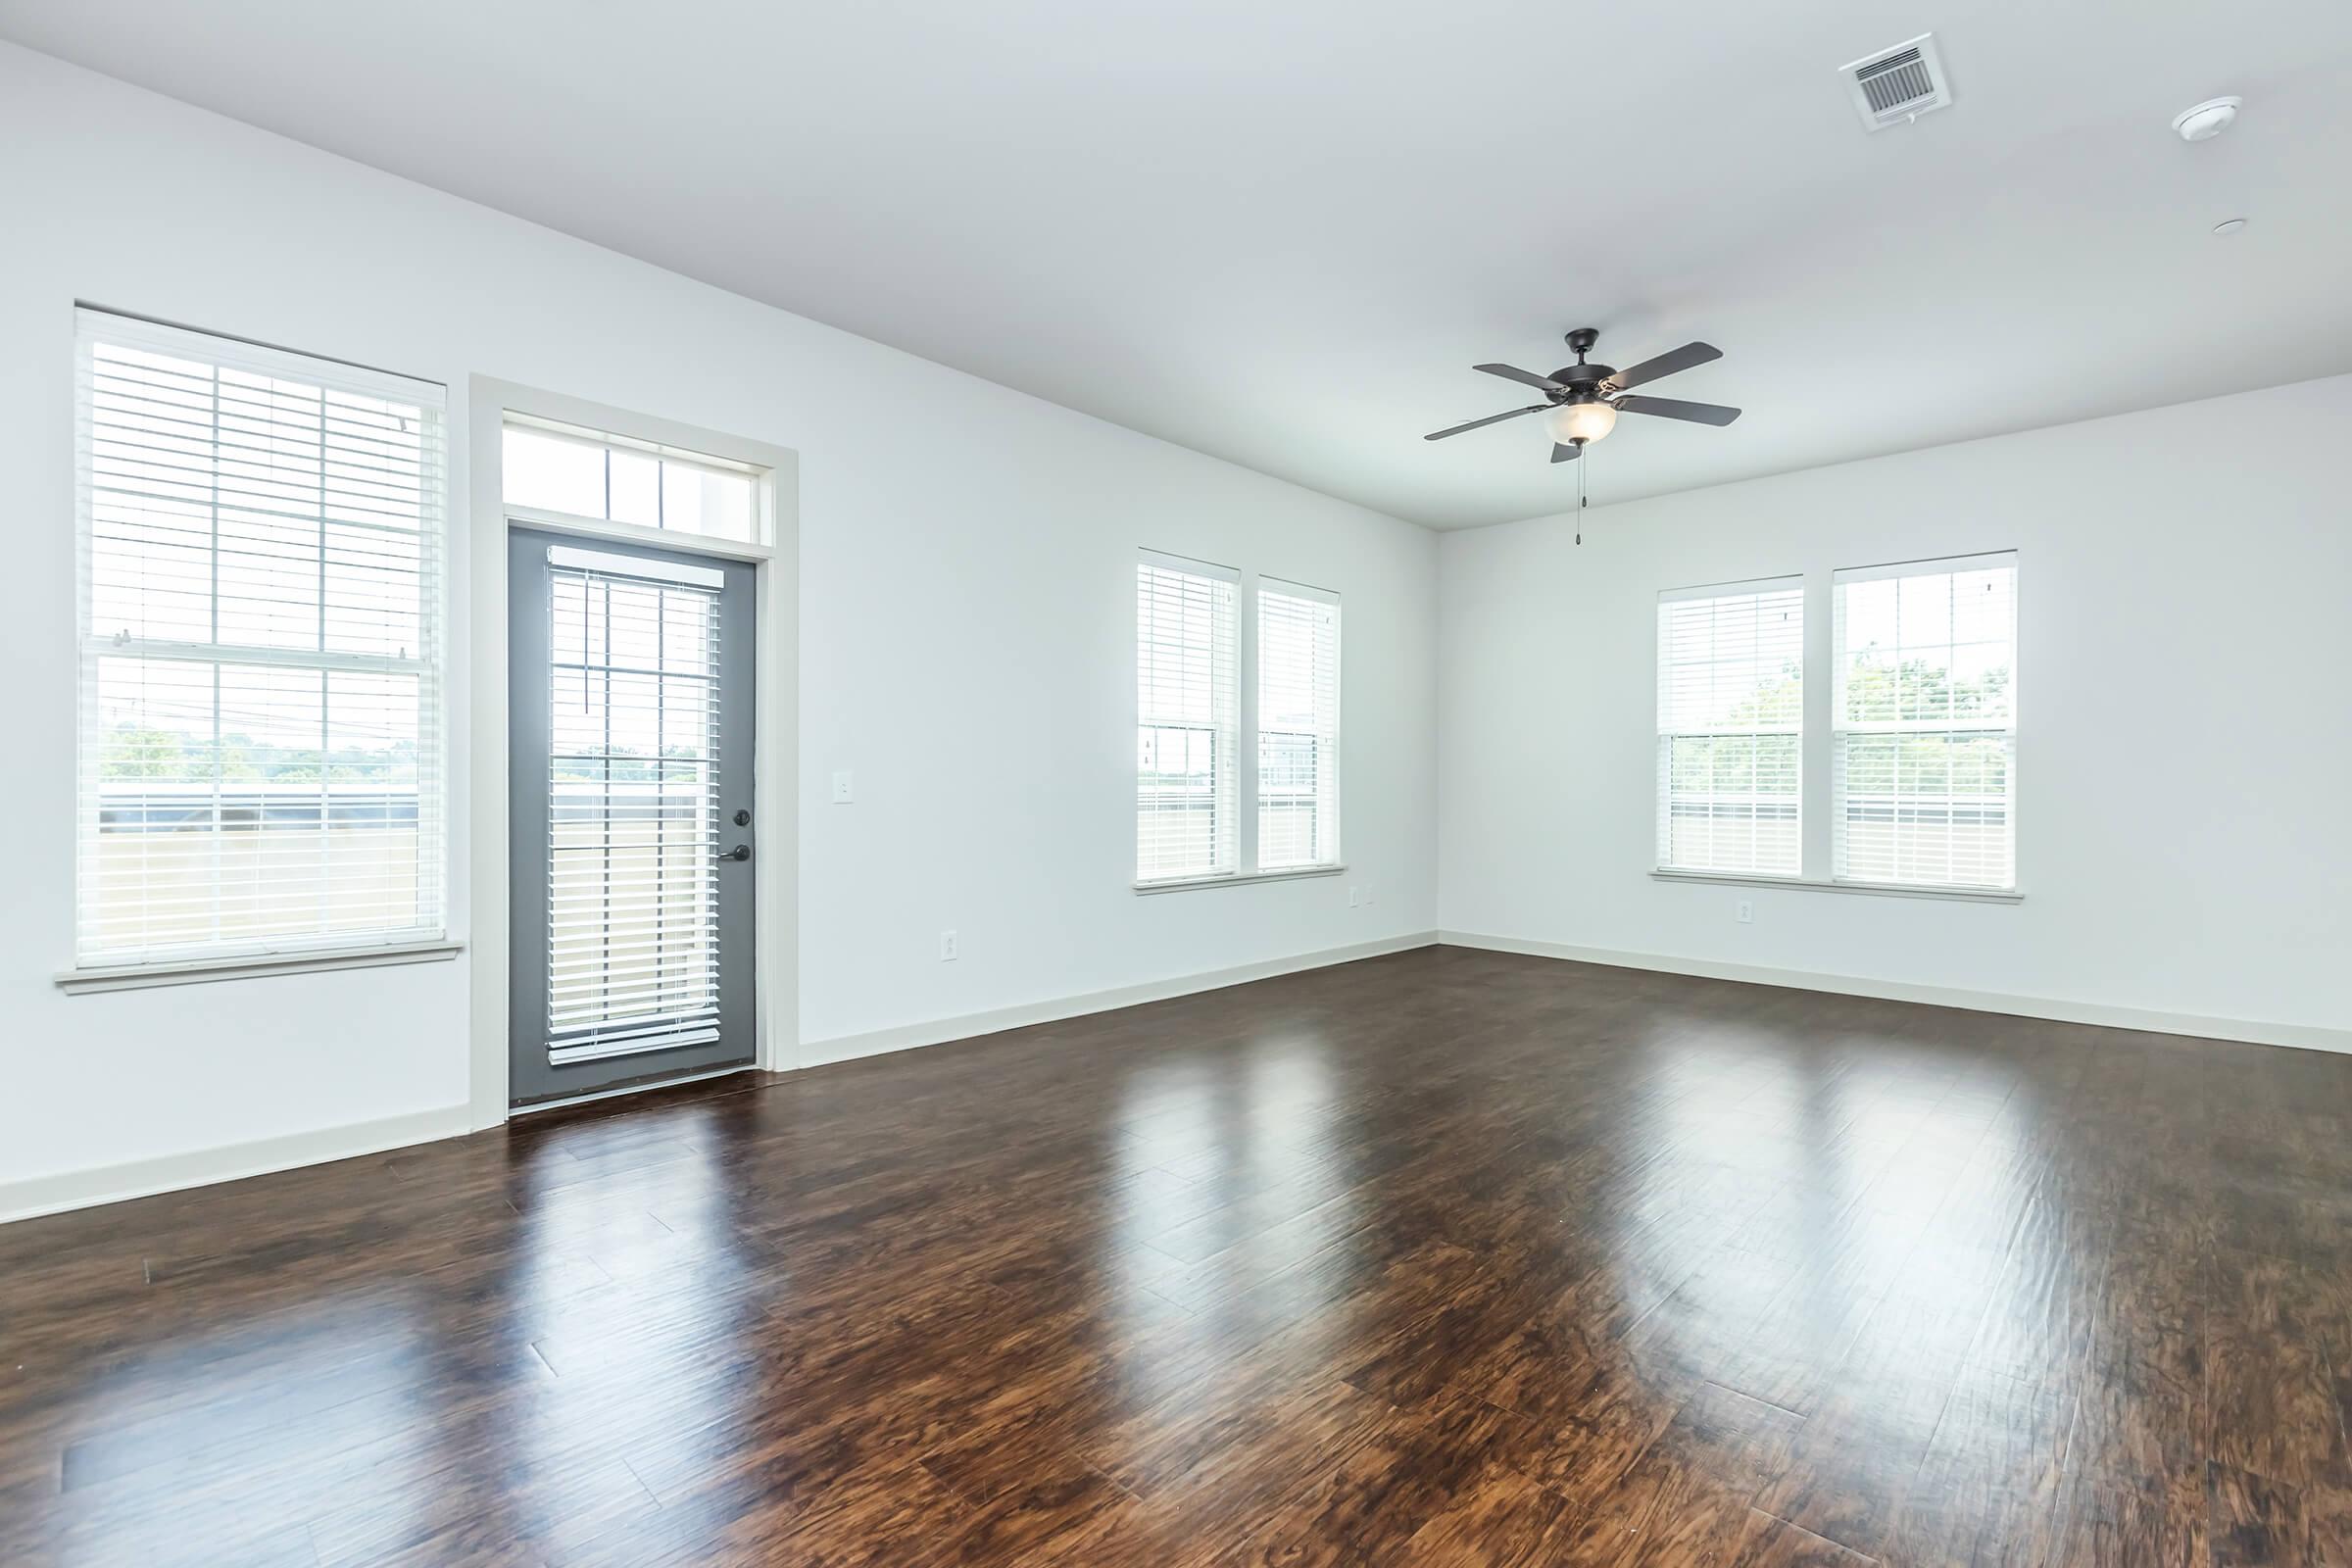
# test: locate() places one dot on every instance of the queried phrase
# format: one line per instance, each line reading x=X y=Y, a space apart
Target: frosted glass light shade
x=1581 y=421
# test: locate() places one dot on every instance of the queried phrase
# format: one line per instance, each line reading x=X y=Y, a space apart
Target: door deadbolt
x=743 y=819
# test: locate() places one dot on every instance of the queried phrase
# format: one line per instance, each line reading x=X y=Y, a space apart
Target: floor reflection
x=1451 y=1255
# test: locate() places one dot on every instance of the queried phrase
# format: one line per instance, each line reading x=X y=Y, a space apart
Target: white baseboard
x=938 y=1031
x=2308 y=1037
x=49 y=1194
x=167 y=1173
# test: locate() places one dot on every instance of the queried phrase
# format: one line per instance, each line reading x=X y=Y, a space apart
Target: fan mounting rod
x=1581 y=382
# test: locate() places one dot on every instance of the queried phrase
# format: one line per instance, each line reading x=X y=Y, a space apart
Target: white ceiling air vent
x=1895 y=86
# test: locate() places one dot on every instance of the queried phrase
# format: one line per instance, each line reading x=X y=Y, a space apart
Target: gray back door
x=632 y=706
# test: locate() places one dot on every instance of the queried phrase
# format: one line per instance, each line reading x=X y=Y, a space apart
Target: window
x=632 y=896
x=549 y=467
x=1191 y=772
x=261 y=670
x=1924 y=752
x=1297 y=727
x=1188 y=720
x=1731 y=725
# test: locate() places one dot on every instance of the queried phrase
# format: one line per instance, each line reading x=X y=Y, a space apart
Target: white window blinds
x=260 y=613
x=1188 y=720
x=1731 y=722
x=633 y=855
x=1297 y=727
x=1924 y=748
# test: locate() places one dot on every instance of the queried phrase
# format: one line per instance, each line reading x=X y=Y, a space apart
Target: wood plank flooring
x=1443 y=1258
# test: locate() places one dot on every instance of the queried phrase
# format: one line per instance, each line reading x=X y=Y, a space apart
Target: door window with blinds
x=1297 y=727
x=633 y=806
x=1730 y=727
x=260 y=749
x=1188 y=720
x=1924 y=748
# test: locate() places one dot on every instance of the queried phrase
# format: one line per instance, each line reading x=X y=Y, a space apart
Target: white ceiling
x=1280 y=233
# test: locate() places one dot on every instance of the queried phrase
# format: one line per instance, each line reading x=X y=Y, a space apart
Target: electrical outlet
x=844 y=787
x=1745 y=911
x=1368 y=899
x=947 y=947
x=1354 y=897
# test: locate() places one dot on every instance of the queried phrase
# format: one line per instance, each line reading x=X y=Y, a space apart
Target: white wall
x=2186 y=738
x=965 y=639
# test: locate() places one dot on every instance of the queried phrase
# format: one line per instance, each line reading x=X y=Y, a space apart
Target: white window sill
x=1888 y=889
x=247 y=966
x=1238 y=879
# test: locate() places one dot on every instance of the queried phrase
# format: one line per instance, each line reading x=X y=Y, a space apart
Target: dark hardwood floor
x=1445 y=1257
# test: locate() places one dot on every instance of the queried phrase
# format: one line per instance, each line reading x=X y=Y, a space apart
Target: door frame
x=480 y=752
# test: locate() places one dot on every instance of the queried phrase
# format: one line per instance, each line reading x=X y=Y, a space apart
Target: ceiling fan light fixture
x=1573 y=422
x=1582 y=401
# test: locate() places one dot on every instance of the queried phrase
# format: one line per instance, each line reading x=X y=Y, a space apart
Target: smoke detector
x=1895 y=86
x=2208 y=120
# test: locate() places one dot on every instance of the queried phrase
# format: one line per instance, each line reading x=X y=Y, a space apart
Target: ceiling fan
x=1583 y=400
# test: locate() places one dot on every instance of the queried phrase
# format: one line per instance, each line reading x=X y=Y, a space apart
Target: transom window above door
x=546 y=466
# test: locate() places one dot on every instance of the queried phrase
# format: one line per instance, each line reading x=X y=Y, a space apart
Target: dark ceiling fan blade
x=1666 y=365
x=1561 y=453
x=1677 y=409
x=1439 y=436
x=1512 y=372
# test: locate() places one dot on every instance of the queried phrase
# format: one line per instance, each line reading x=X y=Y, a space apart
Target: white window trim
x=577 y=527
x=1186 y=884
x=1891 y=890
x=247 y=966
x=296 y=956
x=1245 y=590
x=1815 y=750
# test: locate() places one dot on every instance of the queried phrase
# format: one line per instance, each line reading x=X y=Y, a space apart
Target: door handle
x=741 y=852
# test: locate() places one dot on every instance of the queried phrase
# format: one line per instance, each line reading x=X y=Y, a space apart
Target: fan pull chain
x=1582 y=459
